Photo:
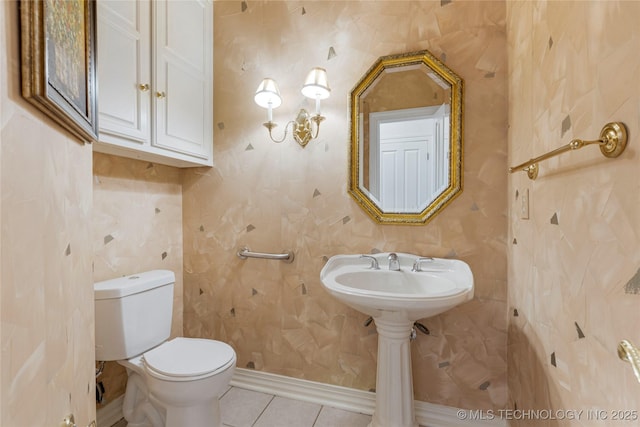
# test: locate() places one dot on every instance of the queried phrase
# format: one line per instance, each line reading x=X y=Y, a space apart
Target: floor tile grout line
x=317 y=416
x=225 y=393
x=220 y=399
x=263 y=410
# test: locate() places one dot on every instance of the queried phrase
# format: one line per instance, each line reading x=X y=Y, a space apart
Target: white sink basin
x=411 y=295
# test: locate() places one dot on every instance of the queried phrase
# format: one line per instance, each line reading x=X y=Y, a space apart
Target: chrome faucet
x=394 y=263
x=416 y=264
x=374 y=262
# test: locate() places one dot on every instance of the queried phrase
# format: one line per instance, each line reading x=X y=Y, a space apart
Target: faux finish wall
x=46 y=293
x=137 y=217
x=273 y=197
x=574 y=281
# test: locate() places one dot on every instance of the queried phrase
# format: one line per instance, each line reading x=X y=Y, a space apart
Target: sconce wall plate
x=302 y=128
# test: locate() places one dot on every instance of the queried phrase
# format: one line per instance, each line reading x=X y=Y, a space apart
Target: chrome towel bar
x=612 y=142
x=245 y=253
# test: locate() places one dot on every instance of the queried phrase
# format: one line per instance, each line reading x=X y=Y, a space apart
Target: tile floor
x=245 y=408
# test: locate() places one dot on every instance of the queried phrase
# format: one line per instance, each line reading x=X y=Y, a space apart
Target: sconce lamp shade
x=316 y=85
x=267 y=95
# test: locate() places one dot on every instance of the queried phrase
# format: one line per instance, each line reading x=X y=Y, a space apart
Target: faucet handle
x=416 y=263
x=374 y=262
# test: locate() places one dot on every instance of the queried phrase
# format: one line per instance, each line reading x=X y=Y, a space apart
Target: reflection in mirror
x=406 y=138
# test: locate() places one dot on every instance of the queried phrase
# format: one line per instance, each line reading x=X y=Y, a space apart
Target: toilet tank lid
x=133 y=284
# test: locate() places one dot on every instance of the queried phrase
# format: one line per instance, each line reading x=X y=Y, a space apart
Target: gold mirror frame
x=456 y=135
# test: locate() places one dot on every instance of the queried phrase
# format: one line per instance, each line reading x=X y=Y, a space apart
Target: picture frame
x=58 y=66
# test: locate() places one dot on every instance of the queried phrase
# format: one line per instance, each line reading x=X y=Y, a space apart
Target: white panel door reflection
x=409 y=158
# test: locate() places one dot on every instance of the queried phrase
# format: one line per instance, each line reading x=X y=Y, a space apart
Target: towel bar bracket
x=630 y=353
x=614 y=136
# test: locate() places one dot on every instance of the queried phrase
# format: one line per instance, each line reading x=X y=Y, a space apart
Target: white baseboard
x=110 y=413
x=349 y=399
x=335 y=396
x=427 y=414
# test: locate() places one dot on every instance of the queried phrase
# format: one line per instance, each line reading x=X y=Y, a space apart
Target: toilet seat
x=188 y=359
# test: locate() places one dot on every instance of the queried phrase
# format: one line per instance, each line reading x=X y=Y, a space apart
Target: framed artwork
x=58 y=62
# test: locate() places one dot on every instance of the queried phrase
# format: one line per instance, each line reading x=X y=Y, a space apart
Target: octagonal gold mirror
x=406 y=138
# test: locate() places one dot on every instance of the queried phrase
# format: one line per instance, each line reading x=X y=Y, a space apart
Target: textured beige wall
x=279 y=196
x=574 y=280
x=46 y=328
x=137 y=217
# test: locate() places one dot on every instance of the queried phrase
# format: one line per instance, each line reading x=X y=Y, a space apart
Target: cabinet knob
x=143 y=87
x=161 y=94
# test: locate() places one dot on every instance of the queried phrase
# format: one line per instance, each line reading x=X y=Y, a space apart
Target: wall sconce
x=315 y=87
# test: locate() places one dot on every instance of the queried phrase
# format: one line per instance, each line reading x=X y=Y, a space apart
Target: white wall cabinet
x=155 y=77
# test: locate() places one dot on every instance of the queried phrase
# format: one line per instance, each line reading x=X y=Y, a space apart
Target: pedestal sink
x=423 y=287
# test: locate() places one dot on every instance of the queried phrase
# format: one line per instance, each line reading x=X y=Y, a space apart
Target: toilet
x=171 y=383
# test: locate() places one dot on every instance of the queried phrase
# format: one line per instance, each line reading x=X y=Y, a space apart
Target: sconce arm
x=270 y=125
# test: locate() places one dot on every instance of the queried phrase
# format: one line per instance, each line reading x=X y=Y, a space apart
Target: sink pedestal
x=394 y=382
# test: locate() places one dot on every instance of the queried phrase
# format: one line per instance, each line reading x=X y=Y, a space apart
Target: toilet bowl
x=186 y=376
x=171 y=383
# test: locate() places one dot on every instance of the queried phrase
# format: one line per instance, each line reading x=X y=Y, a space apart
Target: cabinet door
x=183 y=87
x=124 y=68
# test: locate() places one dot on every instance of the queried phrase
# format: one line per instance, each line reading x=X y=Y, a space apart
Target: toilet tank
x=133 y=313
